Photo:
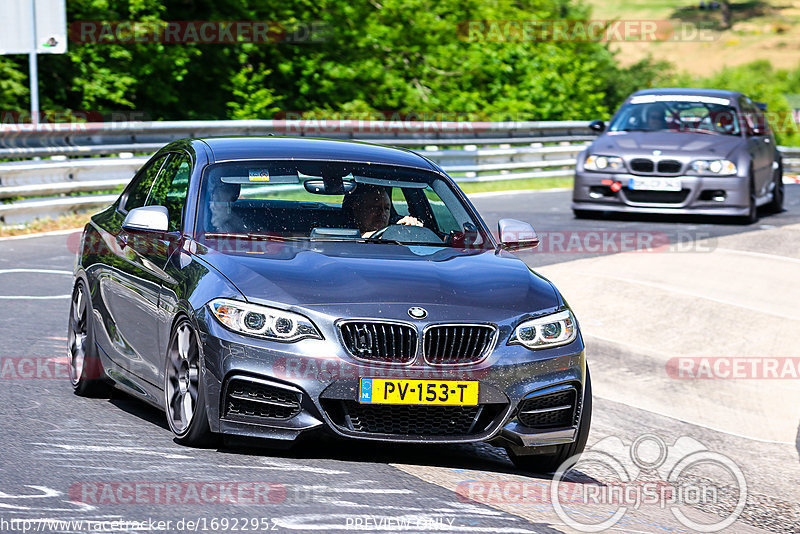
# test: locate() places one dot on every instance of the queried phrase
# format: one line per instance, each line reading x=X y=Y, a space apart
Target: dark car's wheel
x=776 y=205
x=549 y=463
x=85 y=369
x=183 y=388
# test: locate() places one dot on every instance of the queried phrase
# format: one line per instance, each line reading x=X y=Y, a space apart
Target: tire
x=549 y=463
x=752 y=214
x=184 y=392
x=85 y=369
x=776 y=205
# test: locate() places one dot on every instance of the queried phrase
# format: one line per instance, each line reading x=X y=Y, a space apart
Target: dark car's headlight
x=263 y=321
x=548 y=331
x=721 y=167
x=596 y=162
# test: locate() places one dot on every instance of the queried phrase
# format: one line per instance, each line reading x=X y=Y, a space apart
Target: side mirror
x=147 y=219
x=516 y=235
x=597 y=126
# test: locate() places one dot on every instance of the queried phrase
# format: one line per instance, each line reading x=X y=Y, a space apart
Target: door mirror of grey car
x=147 y=219
x=597 y=126
x=516 y=235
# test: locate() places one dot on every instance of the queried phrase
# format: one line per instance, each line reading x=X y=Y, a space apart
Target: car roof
x=306 y=148
x=689 y=91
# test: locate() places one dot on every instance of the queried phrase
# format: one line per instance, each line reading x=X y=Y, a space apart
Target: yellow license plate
x=390 y=391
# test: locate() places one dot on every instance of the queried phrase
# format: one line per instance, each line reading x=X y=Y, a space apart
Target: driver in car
x=654 y=117
x=369 y=208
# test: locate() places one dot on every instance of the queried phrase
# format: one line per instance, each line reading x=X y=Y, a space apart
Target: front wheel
x=85 y=369
x=752 y=207
x=776 y=205
x=184 y=393
x=549 y=463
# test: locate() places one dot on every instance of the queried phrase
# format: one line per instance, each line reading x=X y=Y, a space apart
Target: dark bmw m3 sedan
x=684 y=152
x=278 y=287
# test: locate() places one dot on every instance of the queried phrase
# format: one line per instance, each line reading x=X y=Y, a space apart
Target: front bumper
x=700 y=195
x=324 y=380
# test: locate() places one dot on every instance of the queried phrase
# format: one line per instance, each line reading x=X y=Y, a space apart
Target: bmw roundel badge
x=418 y=313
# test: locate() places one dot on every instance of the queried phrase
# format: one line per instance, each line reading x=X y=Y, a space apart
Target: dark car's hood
x=355 y=273
x=668 y=142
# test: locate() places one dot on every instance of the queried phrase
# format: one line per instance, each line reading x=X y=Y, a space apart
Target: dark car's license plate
x=436 y=392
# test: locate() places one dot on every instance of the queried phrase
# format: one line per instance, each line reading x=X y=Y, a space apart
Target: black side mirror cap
x=597 y=126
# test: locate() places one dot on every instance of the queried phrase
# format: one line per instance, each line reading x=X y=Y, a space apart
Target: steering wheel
x=377 y=234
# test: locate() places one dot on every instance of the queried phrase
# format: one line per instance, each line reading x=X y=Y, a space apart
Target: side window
x=136 y=195
x=170 y=188
x=752 y=117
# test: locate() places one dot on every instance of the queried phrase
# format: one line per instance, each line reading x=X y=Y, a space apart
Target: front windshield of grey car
x=334 y=202
x=677 y=114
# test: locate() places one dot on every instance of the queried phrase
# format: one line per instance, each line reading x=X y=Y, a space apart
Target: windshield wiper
x=396 y=242
x=254 y=237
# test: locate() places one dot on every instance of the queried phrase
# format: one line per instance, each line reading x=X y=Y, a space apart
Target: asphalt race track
x=692 y=329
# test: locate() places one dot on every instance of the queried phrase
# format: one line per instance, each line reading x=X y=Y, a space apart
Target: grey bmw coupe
x=277 y=287
x=682 y=151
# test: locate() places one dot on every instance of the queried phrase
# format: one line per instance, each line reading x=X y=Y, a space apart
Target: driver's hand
x=410 y=221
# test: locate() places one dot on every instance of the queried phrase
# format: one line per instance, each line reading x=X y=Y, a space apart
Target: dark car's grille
x=669 y=166
x=642 y=165
x=457 y=344
x=656 y=197
x=379 y=341
x=552 y=410
x=253 y=399
x=411 y=421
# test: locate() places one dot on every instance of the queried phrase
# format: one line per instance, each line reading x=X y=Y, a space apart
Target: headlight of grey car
x=547 y=331
x=722 y=167
x=596 y=162
x=262 y=321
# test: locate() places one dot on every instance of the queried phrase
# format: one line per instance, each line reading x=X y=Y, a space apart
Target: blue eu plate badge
x=366 y=390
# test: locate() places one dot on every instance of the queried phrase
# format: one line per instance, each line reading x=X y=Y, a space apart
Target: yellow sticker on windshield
x=258 y=175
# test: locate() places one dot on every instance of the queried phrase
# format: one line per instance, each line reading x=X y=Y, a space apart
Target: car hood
x=328 y=274
x=668 y=142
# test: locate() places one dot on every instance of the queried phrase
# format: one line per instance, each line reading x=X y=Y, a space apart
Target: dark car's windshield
x=677 y=113
x=332 y=201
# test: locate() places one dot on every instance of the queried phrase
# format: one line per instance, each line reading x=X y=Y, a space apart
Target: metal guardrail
x=471 y=152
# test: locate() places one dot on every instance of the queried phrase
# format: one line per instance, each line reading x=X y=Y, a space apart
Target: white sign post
x=33 y=27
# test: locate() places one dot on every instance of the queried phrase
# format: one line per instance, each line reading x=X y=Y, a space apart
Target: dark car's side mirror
x=147 y=219
x=516 y=235
x=597 y=126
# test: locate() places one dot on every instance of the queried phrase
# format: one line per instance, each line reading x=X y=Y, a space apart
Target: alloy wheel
x=78 y=335
x=182 y=378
